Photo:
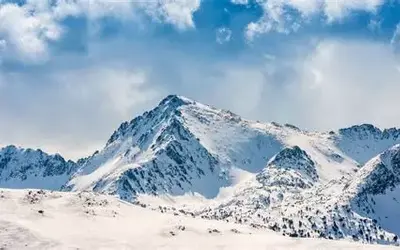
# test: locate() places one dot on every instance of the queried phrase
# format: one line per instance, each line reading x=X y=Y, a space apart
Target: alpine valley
x=186 y=159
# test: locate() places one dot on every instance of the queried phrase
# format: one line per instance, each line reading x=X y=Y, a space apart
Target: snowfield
x=36 y=219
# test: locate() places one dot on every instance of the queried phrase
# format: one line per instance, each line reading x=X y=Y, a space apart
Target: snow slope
x=35 y=219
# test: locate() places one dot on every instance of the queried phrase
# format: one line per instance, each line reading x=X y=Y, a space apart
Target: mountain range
x=187 y=158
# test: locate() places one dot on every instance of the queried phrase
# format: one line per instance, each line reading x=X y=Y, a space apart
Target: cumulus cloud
x=27 y=29
x=285 y=16
x=338 y=9
x=25 y=33
x=175 y=12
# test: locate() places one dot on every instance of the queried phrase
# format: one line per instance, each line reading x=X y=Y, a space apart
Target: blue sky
x=72 y=70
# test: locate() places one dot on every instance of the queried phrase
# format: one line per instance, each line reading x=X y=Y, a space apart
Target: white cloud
x=25 y=33
x=3 y=45
x=223 y=35
x=117 y=88
x=72 y=111
x=338 y=9
x=335 y=85
x=28 y=28
x=230 y=86
x=375 y=25
x=242 y=2
x=278 y=18
x=351 y=88
x=396 y=36
x=176 y=12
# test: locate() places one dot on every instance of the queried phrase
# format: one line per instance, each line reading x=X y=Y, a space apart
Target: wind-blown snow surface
x=35 y=219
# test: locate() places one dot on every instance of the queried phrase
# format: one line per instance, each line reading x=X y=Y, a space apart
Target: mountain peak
x=292 y=167
x=362 y=129
x=176 y=101
x=9 y=148
x=379 y=176
x=288 y=155
x=167 y=108
x=30 y=168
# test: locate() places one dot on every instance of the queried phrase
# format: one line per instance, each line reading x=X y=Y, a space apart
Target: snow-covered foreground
x=35 y=219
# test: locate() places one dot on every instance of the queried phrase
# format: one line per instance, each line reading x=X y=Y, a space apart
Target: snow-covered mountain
x=362 y=142
x=180 y=146
x=28 y=168
x=189 y=157
x=291 y=167
x=375 y=191
x=183 y=146
x=364 y=207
